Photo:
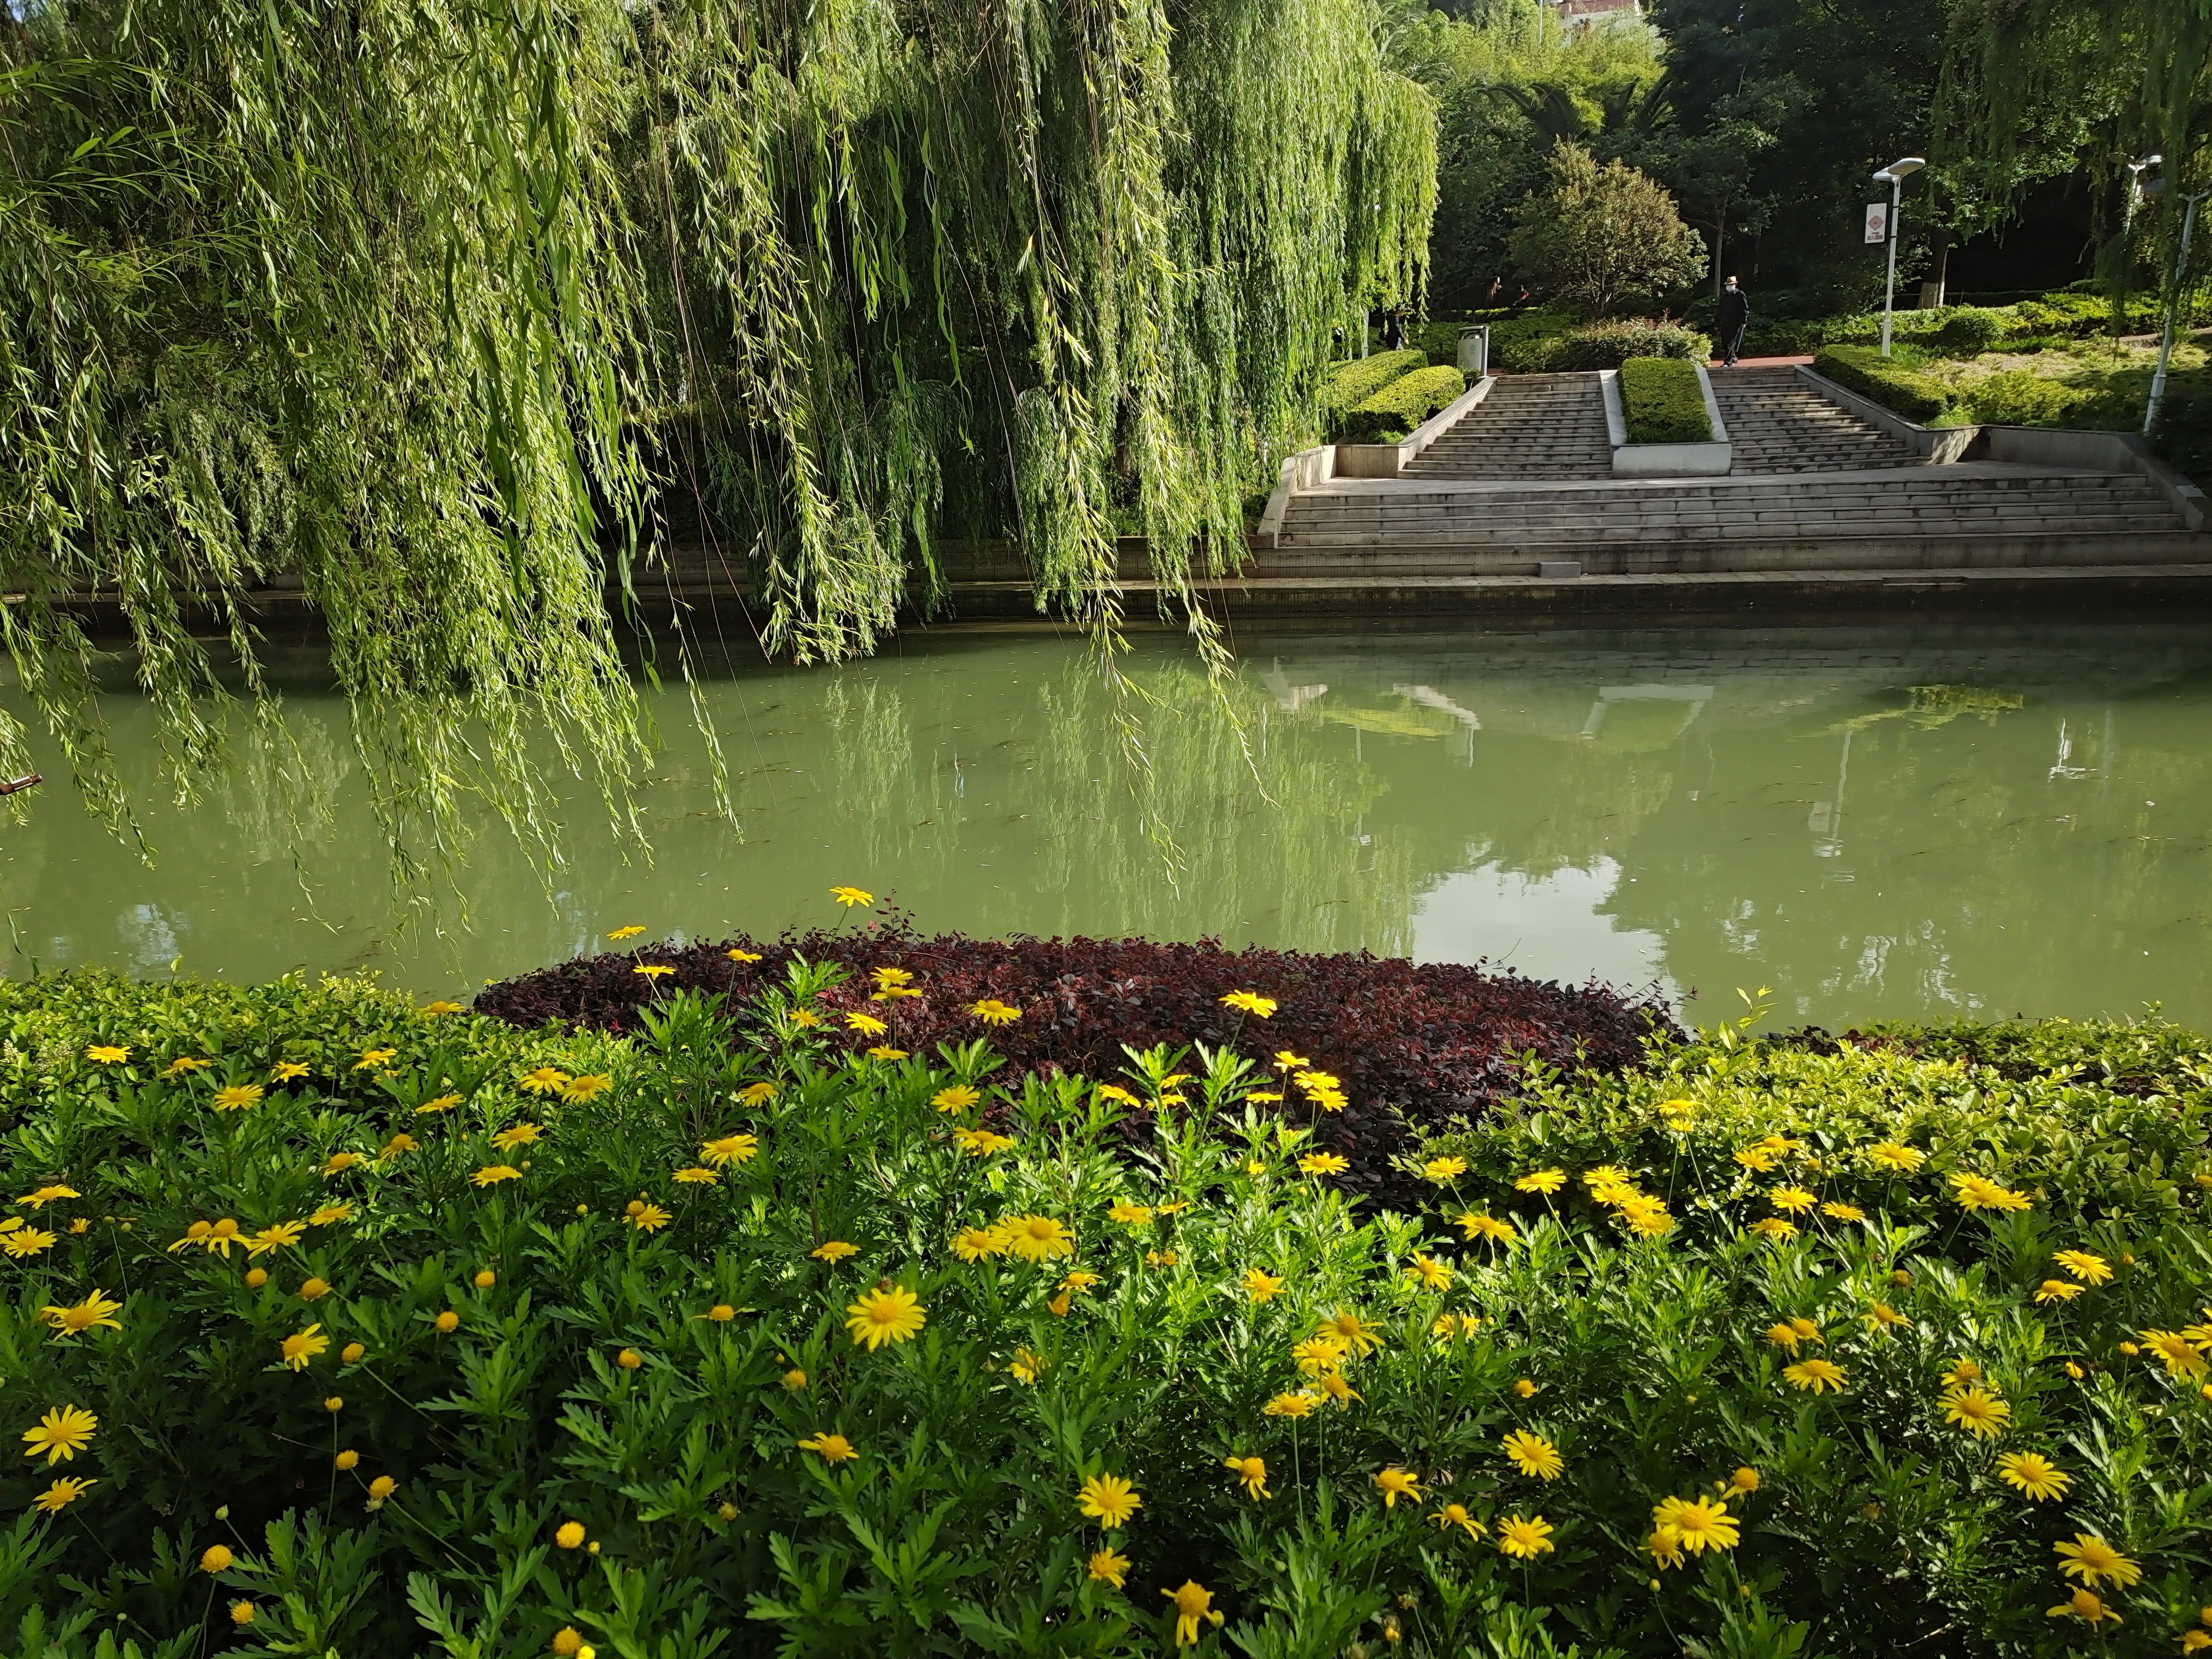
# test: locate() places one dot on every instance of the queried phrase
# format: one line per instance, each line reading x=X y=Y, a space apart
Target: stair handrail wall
x=1308 y=469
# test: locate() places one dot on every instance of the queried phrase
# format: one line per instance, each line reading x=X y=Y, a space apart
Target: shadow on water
x=1907 y=820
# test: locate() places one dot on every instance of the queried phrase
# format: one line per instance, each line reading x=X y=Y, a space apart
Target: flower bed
x=726 y=1338
x=1418 y=1044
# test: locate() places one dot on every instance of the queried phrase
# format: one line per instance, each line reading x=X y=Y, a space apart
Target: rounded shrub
x=1969 y=331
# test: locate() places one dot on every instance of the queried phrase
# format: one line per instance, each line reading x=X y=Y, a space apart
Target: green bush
x=1714 y=1346
x=1864 y=370
x=1610 y=343
x=1662 y=401
x=1519 y=340
x=2021 y=397
x=1352 y=382
x=1969 y=331
x=1402 y=405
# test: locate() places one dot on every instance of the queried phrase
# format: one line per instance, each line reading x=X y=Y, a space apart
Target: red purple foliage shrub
x=1414 y=1046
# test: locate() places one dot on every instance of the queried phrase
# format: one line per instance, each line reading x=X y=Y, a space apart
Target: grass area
x=2093 y=383
x=343 y=1326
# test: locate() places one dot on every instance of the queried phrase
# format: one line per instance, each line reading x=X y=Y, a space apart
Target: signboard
x=1877 y=222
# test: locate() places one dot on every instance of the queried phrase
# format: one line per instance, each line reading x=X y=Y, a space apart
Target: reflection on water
x=1909 y=820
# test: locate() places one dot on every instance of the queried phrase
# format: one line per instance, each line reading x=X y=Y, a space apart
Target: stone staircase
x=1777 y=424
x=1529 y=426
x=1911 y=517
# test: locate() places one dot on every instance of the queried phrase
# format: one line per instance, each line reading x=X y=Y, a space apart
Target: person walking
x=1730 y=313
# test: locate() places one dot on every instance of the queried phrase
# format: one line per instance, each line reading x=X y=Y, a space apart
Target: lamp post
x=1894 y=175
x=2135 y=171
x=2172 y=306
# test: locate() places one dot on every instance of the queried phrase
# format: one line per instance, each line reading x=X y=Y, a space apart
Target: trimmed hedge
x=1864 y=370
x=1663 y=403
x=1353 y=382
x=1402 y=405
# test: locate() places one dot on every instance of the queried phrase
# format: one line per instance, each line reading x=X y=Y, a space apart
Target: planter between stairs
x=1665 y=460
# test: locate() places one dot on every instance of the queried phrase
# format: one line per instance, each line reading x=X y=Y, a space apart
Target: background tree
x=1597 y=236
x=2041 y=87
x=1716 y=173
x=1508 y=81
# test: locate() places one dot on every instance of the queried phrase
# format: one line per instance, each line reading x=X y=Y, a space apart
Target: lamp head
x=1899 y=169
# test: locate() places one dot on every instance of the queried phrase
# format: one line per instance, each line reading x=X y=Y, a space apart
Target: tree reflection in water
x=1901 y=820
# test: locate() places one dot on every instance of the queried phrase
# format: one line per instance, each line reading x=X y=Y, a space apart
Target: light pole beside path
x=1894 y=175
x=2172 y=304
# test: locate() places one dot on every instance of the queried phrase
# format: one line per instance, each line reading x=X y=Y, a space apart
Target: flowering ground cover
x=337 y=1325
x=1401 y=1043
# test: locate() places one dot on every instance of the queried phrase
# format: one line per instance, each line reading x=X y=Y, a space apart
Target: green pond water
x=1909 y=820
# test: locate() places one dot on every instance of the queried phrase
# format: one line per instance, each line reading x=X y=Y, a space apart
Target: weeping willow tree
x=2034 y=87
x=454 y=314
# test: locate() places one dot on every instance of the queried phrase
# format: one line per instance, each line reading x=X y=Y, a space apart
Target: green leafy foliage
x=1353 y=382
x=1969 y=330
x=1864 y=370
x=1608 y=345
x=1662 y=402
x=2021 y=397
x=1600 y=236
x=1402 y=405
x=470 y=317
x=622 y=1391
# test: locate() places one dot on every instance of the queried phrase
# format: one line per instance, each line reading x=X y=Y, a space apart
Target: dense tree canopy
x=1598 y=235
x=448 y=308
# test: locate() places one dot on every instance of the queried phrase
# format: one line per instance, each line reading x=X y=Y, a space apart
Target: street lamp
x=2136 y=190
x=1894 y=175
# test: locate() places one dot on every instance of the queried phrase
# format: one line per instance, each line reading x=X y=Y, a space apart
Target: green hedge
x=431 y=1338
x=1608 y=345
x=1402 y=405
x=1864 y=370
x=1353 y=382
x=1662 y=401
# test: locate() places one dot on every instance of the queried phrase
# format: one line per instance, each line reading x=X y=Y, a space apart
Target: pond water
x=1908 y=820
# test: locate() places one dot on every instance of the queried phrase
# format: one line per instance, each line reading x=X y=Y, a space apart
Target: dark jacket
x=1732 y=311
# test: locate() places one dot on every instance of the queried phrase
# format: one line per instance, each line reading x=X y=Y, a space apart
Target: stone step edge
x=2190 y=575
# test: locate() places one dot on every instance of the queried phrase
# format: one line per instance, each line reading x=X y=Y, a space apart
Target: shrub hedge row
x=1353 y=382
x=1605 y=344
x=1864 y=370
x=1662 y=401
x=1401 y=406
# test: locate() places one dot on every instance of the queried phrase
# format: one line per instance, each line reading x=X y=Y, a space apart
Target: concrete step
x=1777 y=423
x=1647 y=509
x=1965 y=592
x=1539 y=425
x=2074 y=550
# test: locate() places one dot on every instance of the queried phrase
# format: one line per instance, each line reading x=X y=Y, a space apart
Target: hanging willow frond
x=2030 y=89
x=454 y=309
